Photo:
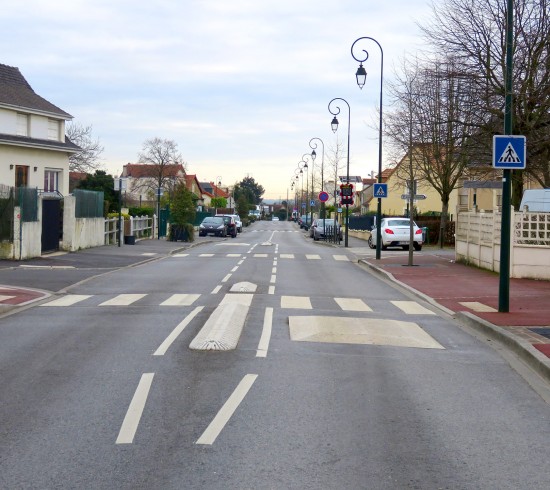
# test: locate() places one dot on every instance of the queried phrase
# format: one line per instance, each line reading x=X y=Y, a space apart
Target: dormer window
x=22 y=124
x=53 y=129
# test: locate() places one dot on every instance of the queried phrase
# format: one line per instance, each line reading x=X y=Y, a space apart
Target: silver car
x=395 y=232
x=325 y=227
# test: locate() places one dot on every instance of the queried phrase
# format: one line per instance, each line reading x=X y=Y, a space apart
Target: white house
x=33 y=149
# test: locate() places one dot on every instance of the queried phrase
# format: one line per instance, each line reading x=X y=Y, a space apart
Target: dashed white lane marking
x=343 y=258
x=123 y=300
x=296 y=302
x=225 y=413
x=273 y=279
x=180 y=255
x=216 y=290
x=175 y=333
x=263 y=345
x=479 y=307
x=206 y=255
x=313 y=257
x=271 y=290
x=260 y=256
x=412 y=308
x=287 y=256
x=180 y=300
x=233 y=255
x=69 y=300
x=226 y=278
x=234 y=268
x=352 y=304
x=135 y=410
x=274 y=270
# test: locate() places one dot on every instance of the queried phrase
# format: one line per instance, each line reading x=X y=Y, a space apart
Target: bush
x=115 y=215
x=185 y=232
x=137 y=211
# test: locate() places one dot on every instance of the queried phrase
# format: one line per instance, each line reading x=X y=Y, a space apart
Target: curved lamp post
x=334 y=125
x=361 y=76
x=313 y=146
x=306 y=159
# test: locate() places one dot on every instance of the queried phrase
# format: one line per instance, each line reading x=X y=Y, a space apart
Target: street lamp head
x=313 y=155
x=334 y=124
x=361 y=76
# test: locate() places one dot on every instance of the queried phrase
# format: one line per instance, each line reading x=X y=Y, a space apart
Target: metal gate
x=164 y=216
x=52 y=226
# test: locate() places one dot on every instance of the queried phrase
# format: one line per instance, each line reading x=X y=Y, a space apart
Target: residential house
x=34 y=151
x=142 y=180
x=211 y=190
x=192 y=184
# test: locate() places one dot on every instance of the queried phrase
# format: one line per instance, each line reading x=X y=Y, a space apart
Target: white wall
x=80 y=233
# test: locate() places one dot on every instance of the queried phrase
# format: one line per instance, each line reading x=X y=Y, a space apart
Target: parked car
x=304 y=221
x=274 y=218
x=395 y=232
x=213 y=225
x=230 y=222
x=325 y=227
x=239 y=222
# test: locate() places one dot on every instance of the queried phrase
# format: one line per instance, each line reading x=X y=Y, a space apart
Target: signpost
x=416 y=197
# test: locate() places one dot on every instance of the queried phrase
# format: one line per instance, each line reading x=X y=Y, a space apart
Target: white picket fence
x=138 y=227
x=478 y=242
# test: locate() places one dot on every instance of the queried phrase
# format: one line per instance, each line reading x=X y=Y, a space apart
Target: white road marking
x=273 y=279
x=234 y=268
x=479 y=307
x=225 y=413
x=123 y=300
x=287 y=256
x=68 y=300
x=216 y=290
x=344 y=258
x=261 y=256
x=296 y=302
x=233 y=255
x=149 y=254
x=241 y=298
x=412 y=308
x=206 y=255
x=180 y=300
x=352 y=304
x=180 y=255
x=175 y=333
x=274 y=270
x=226 y=278
x=3 y=297
x=263 y=345
x=313 y=257
x=271 y=290
x=135 y=410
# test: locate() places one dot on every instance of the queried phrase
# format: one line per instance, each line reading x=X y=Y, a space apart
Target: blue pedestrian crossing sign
x=380 y=190
x=509 y=152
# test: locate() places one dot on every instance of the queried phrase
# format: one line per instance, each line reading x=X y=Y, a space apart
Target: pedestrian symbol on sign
x=509 y=155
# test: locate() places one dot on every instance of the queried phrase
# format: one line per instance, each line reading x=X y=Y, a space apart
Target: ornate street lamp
x=361 y=77
x=313 y=146
x=334 y=125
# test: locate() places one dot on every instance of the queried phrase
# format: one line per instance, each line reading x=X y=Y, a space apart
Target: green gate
x=164 y=216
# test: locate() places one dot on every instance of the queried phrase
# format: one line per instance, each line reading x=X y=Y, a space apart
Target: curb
x=524 y=350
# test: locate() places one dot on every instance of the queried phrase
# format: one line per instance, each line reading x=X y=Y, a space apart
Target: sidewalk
x=472 y=296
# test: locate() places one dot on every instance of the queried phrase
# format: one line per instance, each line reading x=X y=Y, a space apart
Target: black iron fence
x=88 y=204
x=7 y=203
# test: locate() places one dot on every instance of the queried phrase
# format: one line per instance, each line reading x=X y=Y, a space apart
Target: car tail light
x=418 y=232
x=388 y=231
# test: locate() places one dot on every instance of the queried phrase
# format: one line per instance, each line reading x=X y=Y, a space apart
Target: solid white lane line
x=180 y=300
x=412 y=308
x=228 y=409
x=271 y=290
x=135 y=410
x=216 y=290
x=68 y=300
x=123 y=300
x=175 y=333
x=226 y=278
x=263 y=346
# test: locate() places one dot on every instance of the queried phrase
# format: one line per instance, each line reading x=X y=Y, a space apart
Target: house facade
x=34 y=151
x=142 y=180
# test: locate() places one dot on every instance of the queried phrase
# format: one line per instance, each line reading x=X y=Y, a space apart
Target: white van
x=536 y=201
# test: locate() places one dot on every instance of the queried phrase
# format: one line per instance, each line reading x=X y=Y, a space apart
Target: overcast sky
x=240 y=85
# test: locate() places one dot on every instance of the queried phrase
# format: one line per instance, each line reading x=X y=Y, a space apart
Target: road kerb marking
x=211 y=433
x=175 y=333
x=263 y=345
x=135 y=410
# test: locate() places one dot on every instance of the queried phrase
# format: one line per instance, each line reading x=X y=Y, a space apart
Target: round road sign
x=323 y=196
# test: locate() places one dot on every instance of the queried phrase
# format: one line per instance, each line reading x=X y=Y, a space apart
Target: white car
x=239 y=222
x=396 y=233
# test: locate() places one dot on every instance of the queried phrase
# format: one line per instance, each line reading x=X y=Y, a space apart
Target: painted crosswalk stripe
x=206 y=255
x=412 y=308
x=69 y=300
x=180 y=300
x=352 y=304
x=135 y=410
x=287 y=256
x=261 y=256
x=233 y=255
x=343 y=258
x=123 y=300
x=296 y=302
x=313 y=257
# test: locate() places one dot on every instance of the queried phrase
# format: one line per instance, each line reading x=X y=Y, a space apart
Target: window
x=53 y=129
x=22 y=125
x=51 y=180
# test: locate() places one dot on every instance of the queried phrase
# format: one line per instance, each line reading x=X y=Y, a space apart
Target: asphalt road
x=339 y=380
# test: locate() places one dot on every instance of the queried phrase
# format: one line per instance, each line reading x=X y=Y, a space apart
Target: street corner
x=16 y=296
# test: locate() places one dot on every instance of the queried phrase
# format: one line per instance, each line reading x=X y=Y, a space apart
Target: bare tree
x=87 y=159
x=165 y=159
x=473 y=31
x=336 y=163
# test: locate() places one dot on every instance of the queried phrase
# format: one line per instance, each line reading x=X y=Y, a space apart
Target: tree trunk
x=443 y=223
